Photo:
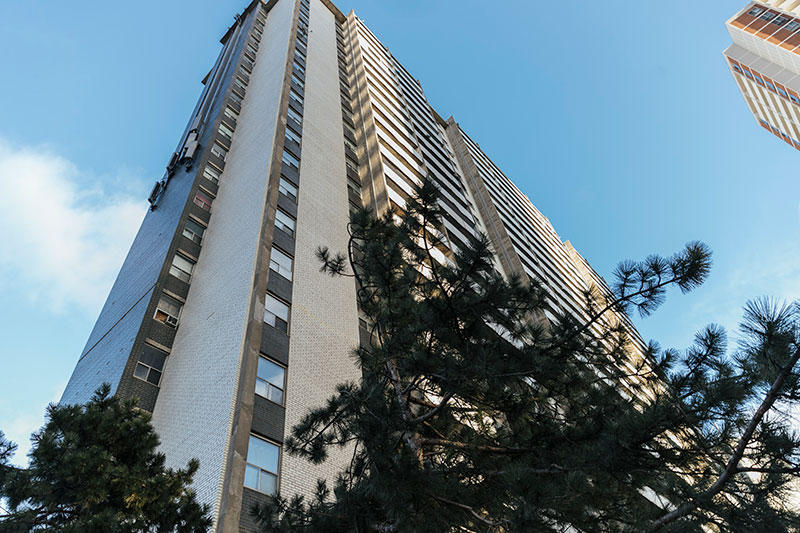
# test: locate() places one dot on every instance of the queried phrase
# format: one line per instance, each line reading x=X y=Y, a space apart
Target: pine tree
x=94 y=468
x=484 y=408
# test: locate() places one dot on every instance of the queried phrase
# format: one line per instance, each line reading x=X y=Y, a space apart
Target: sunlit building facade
x=765 y=63
x=220 y=321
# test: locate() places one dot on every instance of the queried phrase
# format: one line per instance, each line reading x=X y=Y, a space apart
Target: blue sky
x=621 y=124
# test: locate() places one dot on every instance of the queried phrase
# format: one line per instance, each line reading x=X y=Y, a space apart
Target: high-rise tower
x=765 y=63
x=220 y=320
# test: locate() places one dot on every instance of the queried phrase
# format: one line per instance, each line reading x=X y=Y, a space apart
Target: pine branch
x=733 y=463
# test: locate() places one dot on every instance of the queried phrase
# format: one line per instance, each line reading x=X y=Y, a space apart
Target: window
x=236 y=98
x=352 y=165
x=794 y=99
x=297 y=80
x=298 y=66
x=783 y=93
x=290 y=160
x=288 y=189
x=276 y=314
x=770 y=86
x=284 y=222
x=219 y=151
x=296 y=97
x=755 y=11
x=759 y=80
x=793 y=26
x=779 y=21
x=261 y=473
x=231 y=113
x=294 y=115
x=240 y=84
x=193 y=231
x=280 y=263
x=747 y=73
x=150 y=365
x=299 y=55
x=181 y=268
x=768 y=16
x=225 y=131
x=270 y=380
x=167 y=310
x=292 y=136
x=211 y=174
x=203 y=201
x=737 y=68
x=350 y=145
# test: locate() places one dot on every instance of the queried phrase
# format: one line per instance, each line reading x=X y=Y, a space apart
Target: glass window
x=794 y=99
x=298 y=66
x=292 y=135
x=276 y=314
x=219 y=151
x=793 y=25
x=225 y=131
x=737 y=68
x=211 y=174
x=759 y=80
x=779 y=21
x=297 y=80
x=747 y=73
x=270 y=380
x=294 y=115
x=768 y=16
x=193 y=231
x=284 y=222
x=770 y=86
x=296 y=97
x=203 y=201
x=755 y=11
x=350 y=145
x=181 y=268
x=351 y=164
x=150 y=365
x=288 y=189
x=167 y=310
x=240 y=84
x=291 y=160
x=280 y=263
x=236 y=98
x=783 y=93
x=261 y=473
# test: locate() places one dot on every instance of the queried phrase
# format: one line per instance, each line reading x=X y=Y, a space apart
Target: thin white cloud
x=61 y=244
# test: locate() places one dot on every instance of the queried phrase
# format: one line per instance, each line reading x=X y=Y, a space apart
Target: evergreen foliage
x=94 y=468
x=483 y=407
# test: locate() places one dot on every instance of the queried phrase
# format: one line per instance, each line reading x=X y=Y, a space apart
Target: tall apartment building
x=765 y=63
x=220 y=321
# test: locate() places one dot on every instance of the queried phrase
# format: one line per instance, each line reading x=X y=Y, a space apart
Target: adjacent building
x=220 y=321
x=765 y=63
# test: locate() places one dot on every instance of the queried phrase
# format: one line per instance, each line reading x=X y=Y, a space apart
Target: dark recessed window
x=203 y=201
x=280 y=263
x=167 y=310
x=270 y=380
x=284 y=222
x=779 y=21
x=768 y=16
x=756 y=11
x=288 y=189
x=211 y=174
x=290 y=160
x=261 y=473
x=193 y=231
x=150 y=365
x=181 y=268
x=276 y=313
